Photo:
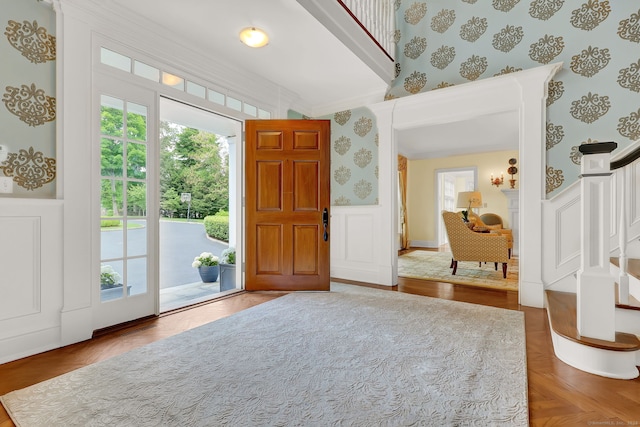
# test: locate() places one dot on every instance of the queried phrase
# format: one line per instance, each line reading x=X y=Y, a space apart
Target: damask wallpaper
x=28 y=109
x=354 y=156
x=595 y=97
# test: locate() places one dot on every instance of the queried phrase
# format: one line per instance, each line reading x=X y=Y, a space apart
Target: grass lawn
x=114 y=225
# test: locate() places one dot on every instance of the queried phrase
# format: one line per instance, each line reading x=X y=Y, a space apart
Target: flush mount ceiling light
x=254 y=37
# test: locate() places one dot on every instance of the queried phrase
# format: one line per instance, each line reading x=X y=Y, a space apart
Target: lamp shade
x=469 y=199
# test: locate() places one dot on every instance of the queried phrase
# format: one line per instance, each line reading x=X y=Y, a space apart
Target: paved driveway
x=180 y=242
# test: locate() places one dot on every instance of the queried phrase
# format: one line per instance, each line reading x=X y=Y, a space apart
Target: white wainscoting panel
x=31 y=294
x=361 y=247
x=357 y=248
x=568 y=231
x=561 y=236
x=19 y=266
x=632 y=205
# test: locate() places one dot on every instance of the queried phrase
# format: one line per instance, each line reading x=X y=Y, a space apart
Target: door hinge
x=243 y=265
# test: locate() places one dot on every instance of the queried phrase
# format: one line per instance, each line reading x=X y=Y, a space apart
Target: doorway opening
x=197 y=198
x=449 y=182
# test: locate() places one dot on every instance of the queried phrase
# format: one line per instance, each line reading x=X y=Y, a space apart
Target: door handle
x=325 y=223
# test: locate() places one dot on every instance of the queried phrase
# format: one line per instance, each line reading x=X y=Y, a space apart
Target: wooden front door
x=287 y=173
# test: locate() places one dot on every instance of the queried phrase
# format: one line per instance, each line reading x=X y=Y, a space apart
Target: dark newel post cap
x=598 y=147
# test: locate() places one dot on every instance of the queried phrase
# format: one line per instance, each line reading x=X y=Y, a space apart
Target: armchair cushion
x=493 y=223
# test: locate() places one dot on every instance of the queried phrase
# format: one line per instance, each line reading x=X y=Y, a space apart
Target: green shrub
x=222 y=213
x=110 y=223
x=217 y=227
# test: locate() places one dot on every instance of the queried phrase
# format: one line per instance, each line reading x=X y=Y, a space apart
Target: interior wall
x=28 y=114
x=441 y=43
x=422 y=191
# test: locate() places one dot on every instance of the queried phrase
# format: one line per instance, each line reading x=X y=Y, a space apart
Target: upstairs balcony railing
x=376 y=17
x=366 y=27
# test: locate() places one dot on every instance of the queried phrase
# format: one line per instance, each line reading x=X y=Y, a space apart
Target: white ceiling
x=305 y=58
x=491 y=132
x=302 y=55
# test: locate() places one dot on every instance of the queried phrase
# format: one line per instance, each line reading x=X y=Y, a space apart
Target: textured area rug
x=430 y=265
x=354 y=356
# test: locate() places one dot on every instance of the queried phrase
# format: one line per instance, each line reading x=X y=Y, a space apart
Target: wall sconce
x=497 y=181
x=512 y=171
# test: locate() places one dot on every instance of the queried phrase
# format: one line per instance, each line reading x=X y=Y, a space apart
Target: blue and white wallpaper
x=28 y=109
x=354 y=157
x=595 y=97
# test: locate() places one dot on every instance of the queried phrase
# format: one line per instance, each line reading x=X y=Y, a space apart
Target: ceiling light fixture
x=254 y=37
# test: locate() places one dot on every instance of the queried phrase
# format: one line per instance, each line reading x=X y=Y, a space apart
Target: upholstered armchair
x=493 y=223
x=468 y=245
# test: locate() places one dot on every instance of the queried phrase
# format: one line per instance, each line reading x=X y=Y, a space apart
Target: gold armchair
x=468 y=245
x=493 y=223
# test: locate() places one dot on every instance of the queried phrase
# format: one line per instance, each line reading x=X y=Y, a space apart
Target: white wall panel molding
x=561 y=235
x=361 y=227
x=31 y=269
x=633 y=194
x=20 y=261
x=356 y=245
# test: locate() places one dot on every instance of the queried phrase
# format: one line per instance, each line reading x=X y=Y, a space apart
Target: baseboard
x=376 y=276
x=422 y=244
x=28 y=344
x=77 y=325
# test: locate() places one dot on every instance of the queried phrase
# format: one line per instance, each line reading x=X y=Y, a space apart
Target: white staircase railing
x=561 y=246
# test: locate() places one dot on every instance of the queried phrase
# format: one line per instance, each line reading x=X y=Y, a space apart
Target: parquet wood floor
x=559 y=395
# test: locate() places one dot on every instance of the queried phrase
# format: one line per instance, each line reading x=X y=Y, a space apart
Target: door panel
x=305 y=261
x=269 y=186
x=123 y=286
x=287 y=189
x=306 y=187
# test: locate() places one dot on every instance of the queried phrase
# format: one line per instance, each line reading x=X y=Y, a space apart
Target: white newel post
x=596 y=289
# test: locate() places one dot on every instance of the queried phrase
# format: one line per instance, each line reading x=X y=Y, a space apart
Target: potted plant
x=207 y=265
x=228 y=269
x=110 y=286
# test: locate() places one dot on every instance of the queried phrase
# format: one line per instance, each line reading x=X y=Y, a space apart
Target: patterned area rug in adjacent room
x=430 y=265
